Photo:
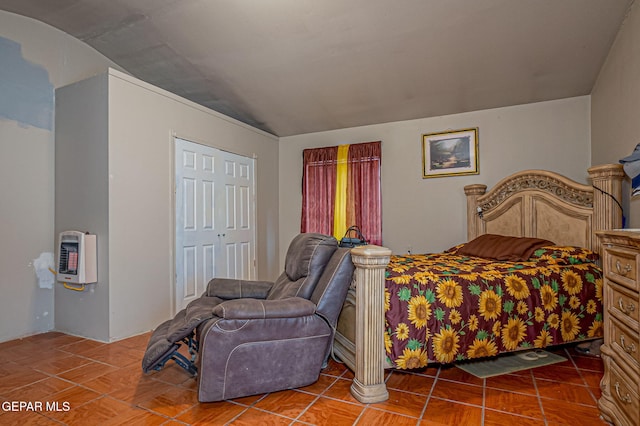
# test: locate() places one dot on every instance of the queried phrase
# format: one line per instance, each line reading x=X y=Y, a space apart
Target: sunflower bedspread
x=447 y=307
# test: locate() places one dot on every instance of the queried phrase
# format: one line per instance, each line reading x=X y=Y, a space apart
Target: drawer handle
x=626 y=399
x=628 y=309
x=628 y=349
x=623 y=270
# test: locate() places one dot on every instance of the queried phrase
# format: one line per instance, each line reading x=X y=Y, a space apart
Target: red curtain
x=318 y=189
x=364 y=204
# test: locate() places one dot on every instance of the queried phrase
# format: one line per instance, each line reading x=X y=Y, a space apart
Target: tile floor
x=90 y=383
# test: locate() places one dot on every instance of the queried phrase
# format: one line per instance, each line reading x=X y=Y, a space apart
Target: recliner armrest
x=229 y=288
x=260 y=309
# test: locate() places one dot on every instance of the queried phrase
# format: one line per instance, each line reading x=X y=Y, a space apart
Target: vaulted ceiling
x=298 y=66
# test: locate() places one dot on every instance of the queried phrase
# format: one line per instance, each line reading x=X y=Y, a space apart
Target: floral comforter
x=447 y=307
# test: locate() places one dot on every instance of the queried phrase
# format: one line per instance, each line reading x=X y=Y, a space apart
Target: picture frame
x=450 y=153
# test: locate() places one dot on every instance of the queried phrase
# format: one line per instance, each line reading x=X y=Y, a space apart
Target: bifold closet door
x=215 y=218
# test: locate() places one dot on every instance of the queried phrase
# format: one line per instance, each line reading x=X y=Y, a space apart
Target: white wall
x=125 y=130
x=143 y=120
x=428 y=215
x=615 y=105
x=52 y=59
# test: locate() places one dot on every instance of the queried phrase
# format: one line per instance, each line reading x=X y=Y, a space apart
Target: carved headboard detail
x=543 y=204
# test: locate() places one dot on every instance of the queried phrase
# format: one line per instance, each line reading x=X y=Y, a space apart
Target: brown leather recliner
x=256 y=337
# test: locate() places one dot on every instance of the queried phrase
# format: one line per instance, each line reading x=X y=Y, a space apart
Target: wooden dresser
x=620 y=352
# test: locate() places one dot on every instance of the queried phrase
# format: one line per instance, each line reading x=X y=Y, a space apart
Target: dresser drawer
x=622 y=267
x=622 y=303
x=624 y=393
x=624 y=341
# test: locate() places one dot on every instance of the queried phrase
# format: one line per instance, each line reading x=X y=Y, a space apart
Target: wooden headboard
x=543 y=204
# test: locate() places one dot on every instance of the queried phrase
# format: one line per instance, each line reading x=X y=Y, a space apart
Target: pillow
x=565 y=255
x=501 y=247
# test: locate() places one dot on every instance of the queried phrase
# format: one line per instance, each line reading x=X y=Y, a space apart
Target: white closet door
x=238 y=217
x=215 y=232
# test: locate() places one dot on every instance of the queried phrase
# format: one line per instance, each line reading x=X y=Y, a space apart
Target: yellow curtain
x=340 y=209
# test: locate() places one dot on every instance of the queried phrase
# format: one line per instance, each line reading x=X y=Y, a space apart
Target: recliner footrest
x=160 y=350
x=171 y=353
x=187 y=364
x=161 y=361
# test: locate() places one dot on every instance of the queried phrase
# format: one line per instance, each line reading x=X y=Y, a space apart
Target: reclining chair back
x=306 y=259
x=333 y=286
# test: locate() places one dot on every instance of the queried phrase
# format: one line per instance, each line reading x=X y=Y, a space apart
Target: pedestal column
x=370 y=261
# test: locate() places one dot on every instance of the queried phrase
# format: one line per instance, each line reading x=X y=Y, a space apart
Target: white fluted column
x=370 y=261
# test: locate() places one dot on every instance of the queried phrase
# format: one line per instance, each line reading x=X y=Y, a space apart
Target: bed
x=408 y=311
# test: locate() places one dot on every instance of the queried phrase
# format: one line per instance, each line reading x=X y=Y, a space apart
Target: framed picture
x=450 y=153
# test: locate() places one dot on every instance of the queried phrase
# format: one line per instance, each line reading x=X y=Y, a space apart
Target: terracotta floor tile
x=287 y=403
x=25 y=350
x=403 y=403
x=103 y=384
x=249 y=400
x=26 y=419
x=513 y=383
x=589 y=363
x=558 y=374
x=140 y=392
x=107 y=411
x=460 y=392
x=190 y=384
x=40 y=354
x=118 y=356
x=21 y=376
x=410 y=382
x=457 y=375
x=431 y=370
x=171 y=402
x=116 y=380
x=514 y=403
x=9 y=367
x=565 y=392
x=334 y=368
x=348 y=375
x=38 y=391
x=61 y=340
x=253 y=417
x=596 y=392
x=321 y=385
x=86 y=372
x=171 y=373
x=341 y=389
x=74 y=396
x=59 y=363
x=565 y=413
x=84 y=345
x=47 y=337
x=326 y=411
x=499 y=418
x=375 y=417
x=211 y=413
x=10 y=344
x=136 y=342
x=6 y=355
x=444 y=412
x=592 y=378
